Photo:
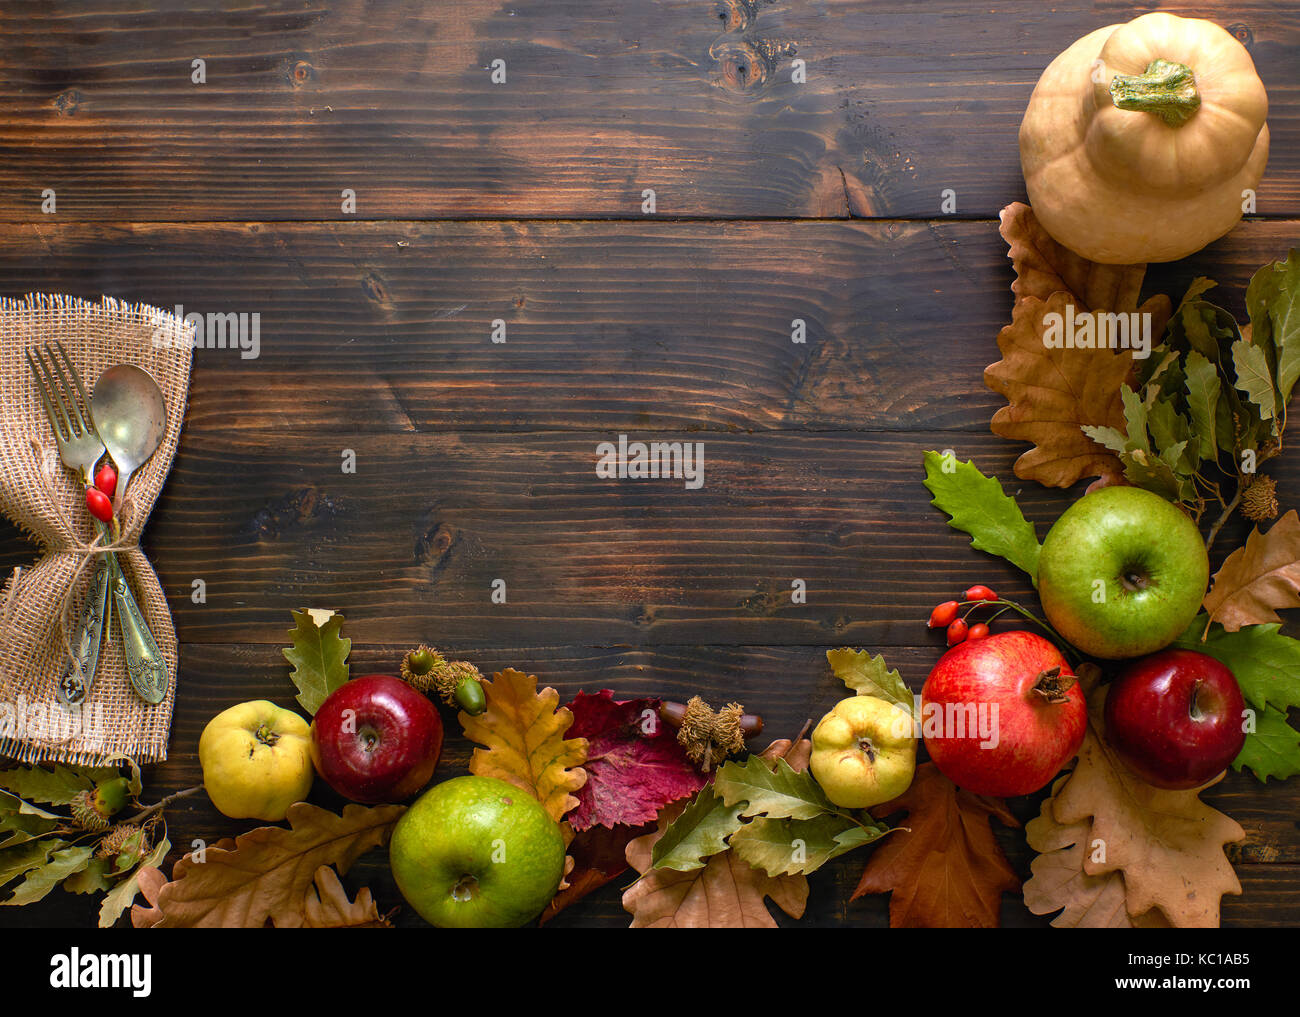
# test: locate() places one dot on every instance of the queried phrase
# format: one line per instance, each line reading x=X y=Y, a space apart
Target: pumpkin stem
x=1165 y=88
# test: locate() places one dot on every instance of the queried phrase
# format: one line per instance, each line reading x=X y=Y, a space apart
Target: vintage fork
x=80 y=449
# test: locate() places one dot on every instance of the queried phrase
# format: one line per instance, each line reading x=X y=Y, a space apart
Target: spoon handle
x=144 y=661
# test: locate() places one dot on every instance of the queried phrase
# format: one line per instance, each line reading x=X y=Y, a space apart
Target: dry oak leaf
x=1044 y=267
x=522 y=734
x=1258 y=578
x=1058 y=882
x=945 y=868
x=326 y=905
x=726 y=894
x=263 y=875
x=1054 y=392
x=1168 y=844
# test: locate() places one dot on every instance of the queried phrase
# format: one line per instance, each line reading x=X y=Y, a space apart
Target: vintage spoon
x=131 y=416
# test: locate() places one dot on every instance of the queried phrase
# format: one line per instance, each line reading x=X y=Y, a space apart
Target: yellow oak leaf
x=522 y=734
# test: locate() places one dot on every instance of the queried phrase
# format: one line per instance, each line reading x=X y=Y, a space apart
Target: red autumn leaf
x=634 y=764
x=598 y=858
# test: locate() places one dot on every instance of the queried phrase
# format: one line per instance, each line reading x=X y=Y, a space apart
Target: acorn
x=92 y=809
x=127 y=844
x=458 y=682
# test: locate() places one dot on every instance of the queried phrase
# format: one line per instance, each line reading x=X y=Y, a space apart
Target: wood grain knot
x=434 y=544
x=1242 y=33
x=374 y=288
x=67 y=102
x=293 y=509
x=747 y=66
x=301 y=73
x=735 y=15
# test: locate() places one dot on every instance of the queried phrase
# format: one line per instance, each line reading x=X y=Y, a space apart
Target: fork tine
x=58 y=418
x=43 y=393
x=89 y=416
x=76 y=419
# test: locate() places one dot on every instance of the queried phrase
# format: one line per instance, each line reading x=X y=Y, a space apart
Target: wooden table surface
x=522 y=202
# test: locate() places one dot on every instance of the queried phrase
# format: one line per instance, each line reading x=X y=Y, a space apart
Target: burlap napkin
x=47 y=501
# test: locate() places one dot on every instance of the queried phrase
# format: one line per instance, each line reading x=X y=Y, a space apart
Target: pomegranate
x=1002 y=715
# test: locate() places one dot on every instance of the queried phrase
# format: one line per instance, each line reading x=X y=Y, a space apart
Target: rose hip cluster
x=945 y=615
x=99 y=499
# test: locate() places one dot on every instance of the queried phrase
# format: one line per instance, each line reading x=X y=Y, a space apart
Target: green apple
x=1122 y=573
x=476 y=852
x=864 y=752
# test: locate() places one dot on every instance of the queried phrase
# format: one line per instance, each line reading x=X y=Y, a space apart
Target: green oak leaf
x=701 y=830
x=92 y=879
x=1108 y=437
x=1152 y=472
x=122 y=896
x=38 y=882
x=52 y=787
x=1265 y=662
x=15 y=861
x=1254 y=377
x=790 y=846
x=1168 y=426
x=866 y=675
x=977 y=505
x=17 y=828
x=1135 y=419
x=1273 y=303
x=10 y=802
x=319 y=657
x=1272 y=749
x=781 y=793
x=1202 y=402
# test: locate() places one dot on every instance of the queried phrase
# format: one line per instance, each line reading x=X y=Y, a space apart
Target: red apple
x=1002 y=715
x=375 y=739
x=1175 y=718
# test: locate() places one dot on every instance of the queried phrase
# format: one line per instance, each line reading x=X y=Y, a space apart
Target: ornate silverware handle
x=79 y=676
x=144 y=661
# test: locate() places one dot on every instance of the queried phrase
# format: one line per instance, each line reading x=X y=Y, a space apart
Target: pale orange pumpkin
x=1142 y=140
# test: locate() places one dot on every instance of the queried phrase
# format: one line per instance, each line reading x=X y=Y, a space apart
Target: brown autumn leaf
x=1051 y=392
x=326 y=905
x=1059 y=884
x=725 y=894
x=1044 y=267
x=1258 y=578
x=728 y=893
x=263 y=875
x=522 y=734
x=151 y=880
x=943 y=868
x=1167 y=844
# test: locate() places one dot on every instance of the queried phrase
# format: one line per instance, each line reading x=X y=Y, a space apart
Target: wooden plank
x=415 y=539
x=388 y=327
x=691 y=98
x=270 y=522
